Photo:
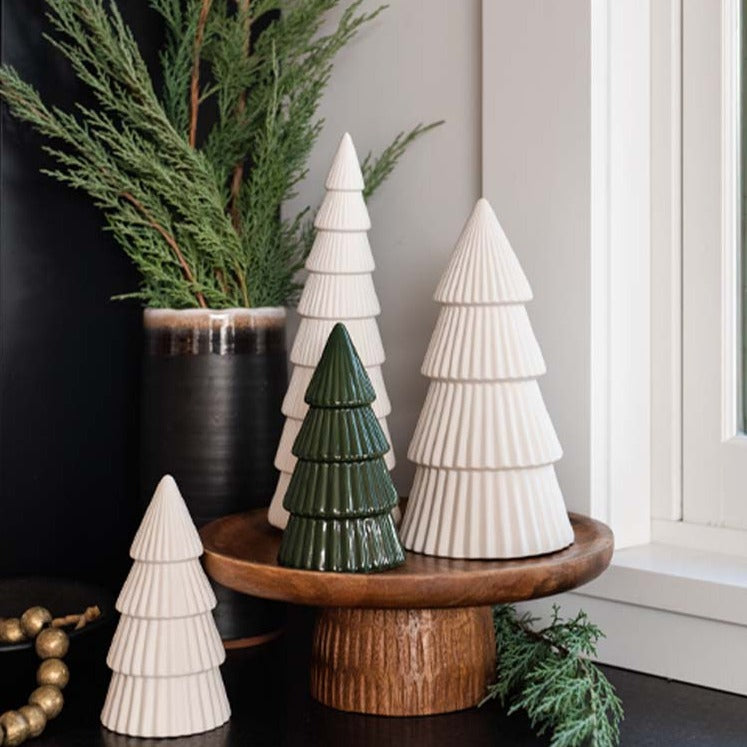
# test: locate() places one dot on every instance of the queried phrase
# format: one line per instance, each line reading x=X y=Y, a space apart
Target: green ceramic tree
x=340 y=495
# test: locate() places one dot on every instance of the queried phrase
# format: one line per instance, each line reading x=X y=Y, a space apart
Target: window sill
x=718 y=540
x=676 y=579
x=671 y=611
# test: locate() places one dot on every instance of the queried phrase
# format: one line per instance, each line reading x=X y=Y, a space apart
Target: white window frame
x=714 y=451
x=674 y=601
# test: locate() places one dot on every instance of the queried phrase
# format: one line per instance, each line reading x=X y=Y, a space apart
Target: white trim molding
x=620 y=268
x=731 y=248
x=666 y=259
x=600 y=446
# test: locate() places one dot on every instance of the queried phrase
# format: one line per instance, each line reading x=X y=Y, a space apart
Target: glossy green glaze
x=341 y=494
x=340 y=490
x=340 y=435
x=342 y=381
x=359 y=545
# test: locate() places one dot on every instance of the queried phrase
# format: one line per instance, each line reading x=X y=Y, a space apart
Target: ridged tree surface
x=339 y=289
x=166 y=651
x=484 y=446
x=341 y=495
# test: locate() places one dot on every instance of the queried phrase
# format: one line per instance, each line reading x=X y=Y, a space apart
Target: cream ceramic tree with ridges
x=339 y=288
x=484 y=445
x=166 y=651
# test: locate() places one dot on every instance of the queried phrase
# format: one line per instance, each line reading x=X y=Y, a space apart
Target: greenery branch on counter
x=192 y=181
x=547 y=672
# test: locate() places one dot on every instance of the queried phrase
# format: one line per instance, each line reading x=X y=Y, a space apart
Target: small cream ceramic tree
x=339 y=289
x=166 y=651
x=484 y=445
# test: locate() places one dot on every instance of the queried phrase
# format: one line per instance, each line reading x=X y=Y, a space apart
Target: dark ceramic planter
x=213 y=385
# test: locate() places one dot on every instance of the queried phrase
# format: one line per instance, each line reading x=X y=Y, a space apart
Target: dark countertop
x=268 y=690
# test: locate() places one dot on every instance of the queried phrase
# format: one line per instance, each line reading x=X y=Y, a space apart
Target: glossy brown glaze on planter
x=213 y=384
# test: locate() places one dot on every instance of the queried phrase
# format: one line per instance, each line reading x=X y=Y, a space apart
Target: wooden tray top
x=241 y=553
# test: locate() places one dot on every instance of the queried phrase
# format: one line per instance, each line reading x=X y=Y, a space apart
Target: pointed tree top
x=340 y=380
x=167 y=532
x=483 y=268
x=345 y=173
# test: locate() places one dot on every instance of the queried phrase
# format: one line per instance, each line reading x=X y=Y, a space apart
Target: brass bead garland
x=49 y=699
x=36 y=718
x=33 y=620
x=51 y=644
x=11 y=631
x=16 y=728
x=53 y=672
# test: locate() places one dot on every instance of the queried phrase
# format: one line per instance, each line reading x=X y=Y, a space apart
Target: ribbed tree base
x=393 y=662
x=364 y=545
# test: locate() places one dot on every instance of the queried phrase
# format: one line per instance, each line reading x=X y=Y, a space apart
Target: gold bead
x=49 y=698
x=36 y=718
x=11 y=631
x=52 y=643
x=16 y=728
x=53 y=672
x=34 y=619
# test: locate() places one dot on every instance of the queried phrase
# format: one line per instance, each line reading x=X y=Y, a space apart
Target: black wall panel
x=69 y=357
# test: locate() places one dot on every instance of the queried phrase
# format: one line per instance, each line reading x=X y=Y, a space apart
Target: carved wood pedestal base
x=402 y=662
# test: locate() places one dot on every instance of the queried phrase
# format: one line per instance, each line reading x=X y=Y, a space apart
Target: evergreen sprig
x=192 y=179
x=547 y=672
x=376 y=170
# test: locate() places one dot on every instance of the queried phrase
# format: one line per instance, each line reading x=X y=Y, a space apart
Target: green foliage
x=547 y=673
x=377 y=170
x=198 y=209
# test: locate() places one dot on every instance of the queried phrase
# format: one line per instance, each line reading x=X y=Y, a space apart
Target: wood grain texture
x=402 y=662
x=241 y=553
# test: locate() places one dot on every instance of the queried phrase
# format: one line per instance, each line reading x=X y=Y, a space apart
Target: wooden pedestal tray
x=413 y=641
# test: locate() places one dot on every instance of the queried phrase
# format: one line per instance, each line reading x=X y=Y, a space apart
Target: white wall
x=419 y=61
x=422 y=60
x=536 y=173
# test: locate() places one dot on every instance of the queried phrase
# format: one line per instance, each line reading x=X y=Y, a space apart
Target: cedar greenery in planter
x=191 y=181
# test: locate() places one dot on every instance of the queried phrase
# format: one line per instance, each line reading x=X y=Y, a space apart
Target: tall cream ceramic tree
x=166 y=651
x=339 y=288
x=484 y=446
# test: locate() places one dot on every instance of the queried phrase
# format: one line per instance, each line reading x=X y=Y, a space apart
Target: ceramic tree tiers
x=166 y=651
x=341 y=495
x=484 y=445
x=339 y=288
